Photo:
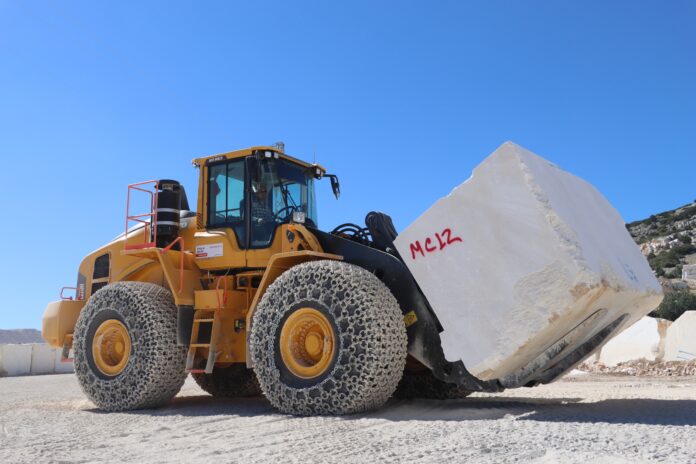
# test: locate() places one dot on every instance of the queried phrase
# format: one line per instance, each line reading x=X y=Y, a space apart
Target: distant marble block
x=43 y=359
x=15 y=360
x=689 y=272
x=643 y=340
x=681 y=338
x=63 y=367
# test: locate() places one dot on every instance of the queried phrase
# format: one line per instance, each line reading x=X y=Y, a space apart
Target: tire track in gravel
x=603 y=420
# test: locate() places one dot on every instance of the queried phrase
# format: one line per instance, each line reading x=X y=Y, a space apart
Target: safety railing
x=63 y=297
x=222 y=303
x=150 y=237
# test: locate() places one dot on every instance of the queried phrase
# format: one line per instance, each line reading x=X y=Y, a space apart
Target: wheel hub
x=307 y=343
x=111 y=347
x=314 y=344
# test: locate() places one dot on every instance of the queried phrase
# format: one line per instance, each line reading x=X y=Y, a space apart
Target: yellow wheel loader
x=250 y=297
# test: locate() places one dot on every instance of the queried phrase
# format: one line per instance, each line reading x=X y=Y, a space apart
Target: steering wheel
x=280 y=216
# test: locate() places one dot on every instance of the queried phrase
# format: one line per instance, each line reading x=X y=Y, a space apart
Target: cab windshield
x=273 y=189
x=278 y=189
x=283 y=188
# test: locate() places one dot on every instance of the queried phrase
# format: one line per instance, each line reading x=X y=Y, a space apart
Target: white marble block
x=63 y=367
x=517 y=257
x=15 y=359
x=43 y=359
x=643 y=340
x=681 y=338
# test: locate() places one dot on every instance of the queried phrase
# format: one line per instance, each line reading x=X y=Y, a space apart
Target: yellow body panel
x=231 y=306
x=248 y=151
x=59 y=320
x=180 y=271
x=231 y=252
x=209 y=299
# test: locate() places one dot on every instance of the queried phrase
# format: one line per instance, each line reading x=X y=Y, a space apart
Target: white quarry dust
x=583 y=418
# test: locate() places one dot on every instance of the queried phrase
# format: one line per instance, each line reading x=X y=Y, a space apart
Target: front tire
x=126 y=355
x=423 y=384
x=328 y=338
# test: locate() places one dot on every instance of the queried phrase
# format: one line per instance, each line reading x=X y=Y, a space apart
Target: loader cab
x=253 y=193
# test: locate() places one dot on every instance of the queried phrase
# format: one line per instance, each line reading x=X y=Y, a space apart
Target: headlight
x=299 y=217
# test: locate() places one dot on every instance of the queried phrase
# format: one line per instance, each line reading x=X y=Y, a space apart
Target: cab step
x=197 y=344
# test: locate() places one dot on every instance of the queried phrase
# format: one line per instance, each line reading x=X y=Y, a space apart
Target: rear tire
x=423 y=384
x=152 y=370
x=235 y=381
x=342 y=311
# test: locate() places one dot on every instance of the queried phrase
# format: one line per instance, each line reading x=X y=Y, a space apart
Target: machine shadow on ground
x=622 y=411
x=204 y=405
x=612 y=411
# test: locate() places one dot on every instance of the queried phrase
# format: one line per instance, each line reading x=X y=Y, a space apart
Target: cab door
x=222 y=245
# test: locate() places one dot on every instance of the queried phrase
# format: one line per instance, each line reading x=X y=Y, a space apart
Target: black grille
x=96 y=286
x=101 y=267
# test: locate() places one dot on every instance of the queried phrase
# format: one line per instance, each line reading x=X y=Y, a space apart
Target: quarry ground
x=583 y=418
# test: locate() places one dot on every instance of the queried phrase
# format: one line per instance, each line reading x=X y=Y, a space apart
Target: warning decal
x=410 y=318
x=209 y=251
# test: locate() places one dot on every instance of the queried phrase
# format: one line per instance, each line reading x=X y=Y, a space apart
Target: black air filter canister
x=168 y=208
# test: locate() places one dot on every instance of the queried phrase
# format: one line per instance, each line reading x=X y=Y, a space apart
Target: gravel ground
x=643 y=368
x=583 y=417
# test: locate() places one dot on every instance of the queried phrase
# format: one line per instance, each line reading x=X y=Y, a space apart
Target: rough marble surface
x=519 y=255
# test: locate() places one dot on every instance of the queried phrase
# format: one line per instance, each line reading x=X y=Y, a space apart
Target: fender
x=58 y=322
x=180 y=271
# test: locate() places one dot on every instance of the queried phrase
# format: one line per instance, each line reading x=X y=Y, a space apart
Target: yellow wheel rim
x=307 y=343
x=111 y=347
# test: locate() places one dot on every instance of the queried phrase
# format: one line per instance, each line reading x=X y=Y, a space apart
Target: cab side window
x=226 y=197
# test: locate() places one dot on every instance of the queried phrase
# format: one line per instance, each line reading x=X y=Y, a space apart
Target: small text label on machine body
x=213 y=250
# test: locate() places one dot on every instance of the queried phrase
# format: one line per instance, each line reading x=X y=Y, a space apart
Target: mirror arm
x=335 y=185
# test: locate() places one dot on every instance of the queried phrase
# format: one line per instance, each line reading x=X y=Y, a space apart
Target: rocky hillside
x=668 y=239
x=20 y=336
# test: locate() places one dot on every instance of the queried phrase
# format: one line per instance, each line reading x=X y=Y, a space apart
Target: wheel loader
x=494 y=287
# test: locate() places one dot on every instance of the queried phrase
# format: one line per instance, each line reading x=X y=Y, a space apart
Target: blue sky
x=401 y=99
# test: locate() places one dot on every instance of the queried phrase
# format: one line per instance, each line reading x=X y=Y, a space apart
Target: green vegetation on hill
x=670 y=237
x=663 y=224
x=675 y=304
x=672 y=259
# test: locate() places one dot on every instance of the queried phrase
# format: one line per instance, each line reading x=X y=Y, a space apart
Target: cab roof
x=251 y=150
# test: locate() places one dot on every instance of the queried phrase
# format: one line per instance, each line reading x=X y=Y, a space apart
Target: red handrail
x=137 y=218
x=67 y=297
x=181 y=261
x=224 y=292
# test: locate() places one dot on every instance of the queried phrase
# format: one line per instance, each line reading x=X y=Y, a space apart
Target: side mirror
x=335 y=185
